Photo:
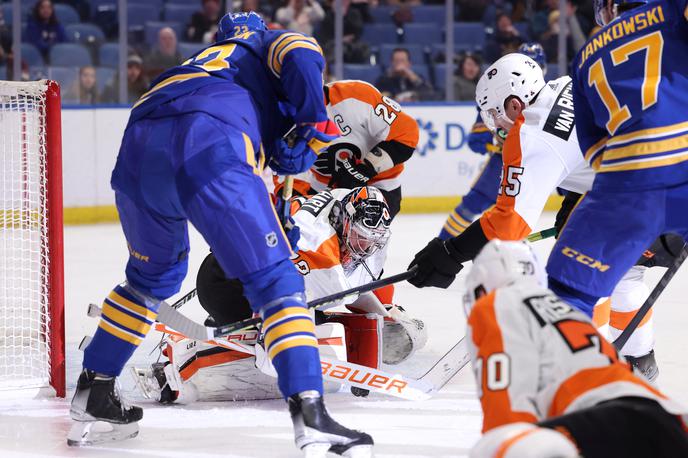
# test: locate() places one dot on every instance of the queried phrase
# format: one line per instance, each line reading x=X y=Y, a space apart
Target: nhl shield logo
x=271 y=239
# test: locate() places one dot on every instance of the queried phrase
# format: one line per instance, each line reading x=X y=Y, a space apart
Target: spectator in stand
x=43 y=29
x=300 y=16
x=467 y=77
x=84 y=89
x=401 y=82
x=165 y=54
x=472 y=10
x=265 y=11
x=505 y=39
x=540 y=22
x=137 y=83
x=575 y=38
x=355 y=51
x=203 y=25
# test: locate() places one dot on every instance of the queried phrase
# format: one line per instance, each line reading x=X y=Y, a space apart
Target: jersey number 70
x=652 y=44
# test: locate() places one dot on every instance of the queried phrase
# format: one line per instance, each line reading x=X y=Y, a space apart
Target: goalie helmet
x=362 y=221
x=514 y=75
x=501 y=264
x=235 y=23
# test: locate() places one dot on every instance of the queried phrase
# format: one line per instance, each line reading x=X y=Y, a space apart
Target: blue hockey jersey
x=630 y=89
x=280 y=71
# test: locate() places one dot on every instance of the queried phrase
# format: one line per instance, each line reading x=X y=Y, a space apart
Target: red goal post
x=32 y=333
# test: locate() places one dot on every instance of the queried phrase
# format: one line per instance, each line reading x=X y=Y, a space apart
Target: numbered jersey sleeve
x=531 y=171
x=504 y=359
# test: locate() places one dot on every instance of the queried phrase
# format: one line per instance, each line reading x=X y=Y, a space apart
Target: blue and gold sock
x=456 y=223
x=126 y=319
x=292 y=346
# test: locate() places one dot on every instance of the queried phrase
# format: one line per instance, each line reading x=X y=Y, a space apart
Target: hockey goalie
x=340 y=239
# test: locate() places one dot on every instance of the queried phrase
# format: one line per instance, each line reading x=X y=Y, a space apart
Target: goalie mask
x=501 y=264
x=362 y=220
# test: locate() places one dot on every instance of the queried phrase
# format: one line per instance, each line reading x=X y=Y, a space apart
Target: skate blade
x=97 y=432
x=315 y=450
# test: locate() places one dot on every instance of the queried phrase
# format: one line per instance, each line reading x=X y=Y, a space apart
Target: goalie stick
x=344 y=372
x=651 y=299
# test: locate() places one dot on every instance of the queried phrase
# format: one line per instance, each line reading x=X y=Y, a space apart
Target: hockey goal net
x=31 y=262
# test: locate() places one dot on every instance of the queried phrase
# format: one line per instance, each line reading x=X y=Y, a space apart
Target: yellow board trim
x=120 y=334
x=76 y=216
x=291 y=343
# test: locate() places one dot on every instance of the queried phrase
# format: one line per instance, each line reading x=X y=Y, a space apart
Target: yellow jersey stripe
x=298 y=341
x=650 y=133
x=290 y=327
x=641 y=149
x=272 y=51
x=283 y=314
x=595 y=148
x=291 y=47
x=125 y=320
x=132 y=339
x=167 y=82
x=647 y=164
x=140 y=310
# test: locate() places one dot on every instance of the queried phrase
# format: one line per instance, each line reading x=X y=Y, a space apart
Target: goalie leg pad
x=363 y=337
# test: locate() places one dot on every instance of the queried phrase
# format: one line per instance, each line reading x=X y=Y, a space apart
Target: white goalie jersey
x=534 y=357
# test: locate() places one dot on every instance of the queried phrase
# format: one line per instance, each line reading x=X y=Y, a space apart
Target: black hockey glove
x=662 y=252
x=348 y=174
x=438 y=263
x=570 y=201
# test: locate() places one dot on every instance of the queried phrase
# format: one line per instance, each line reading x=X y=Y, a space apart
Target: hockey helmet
x=600 y=5
x=236 y=23
x=514 y=75
x=362 y=222
x=500 y=264
x=535 y=51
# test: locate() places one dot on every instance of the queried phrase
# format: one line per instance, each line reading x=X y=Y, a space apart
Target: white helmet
x=500 y=264
x=512 y=75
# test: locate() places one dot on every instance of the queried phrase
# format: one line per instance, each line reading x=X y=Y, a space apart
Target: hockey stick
x=544 y=234
x=651 y=299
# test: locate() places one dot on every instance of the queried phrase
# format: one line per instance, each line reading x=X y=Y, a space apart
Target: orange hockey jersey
x=535 y=357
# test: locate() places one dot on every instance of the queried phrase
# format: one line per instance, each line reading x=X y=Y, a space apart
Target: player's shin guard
x=291 y=345
x=126 y=319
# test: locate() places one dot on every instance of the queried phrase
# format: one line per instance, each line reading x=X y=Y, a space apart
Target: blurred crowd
x=397 y=45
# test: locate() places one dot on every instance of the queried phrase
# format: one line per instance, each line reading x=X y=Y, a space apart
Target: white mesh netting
x=24 y=260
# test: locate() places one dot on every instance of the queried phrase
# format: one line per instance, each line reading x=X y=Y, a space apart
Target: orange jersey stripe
x=621 y=320
x=502 y=221
x=487 y=338
x=589 y=379
x=211 y=360
x=506 y=445
x=387 y=174
x=326 y=256
x=404 y=130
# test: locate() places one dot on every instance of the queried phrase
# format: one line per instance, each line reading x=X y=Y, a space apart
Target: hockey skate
x=316 y=432
x=99 y=413
x=646 y=364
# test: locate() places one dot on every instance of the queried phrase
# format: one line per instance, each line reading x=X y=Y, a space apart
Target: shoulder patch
x=561 y=119
x=315 y=204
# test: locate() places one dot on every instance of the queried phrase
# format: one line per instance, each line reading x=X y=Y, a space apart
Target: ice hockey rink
x=445 y=426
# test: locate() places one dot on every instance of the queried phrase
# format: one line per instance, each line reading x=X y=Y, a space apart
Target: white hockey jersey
x=319 y=255
x=365 y=118
x=540 y=153
x=534 y=357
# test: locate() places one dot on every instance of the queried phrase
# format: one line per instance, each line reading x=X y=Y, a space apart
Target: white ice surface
x=445 y=426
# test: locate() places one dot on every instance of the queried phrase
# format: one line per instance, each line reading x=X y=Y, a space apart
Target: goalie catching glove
x=299 y=152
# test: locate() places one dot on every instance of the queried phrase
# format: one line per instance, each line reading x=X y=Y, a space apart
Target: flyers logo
x=491 y=73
